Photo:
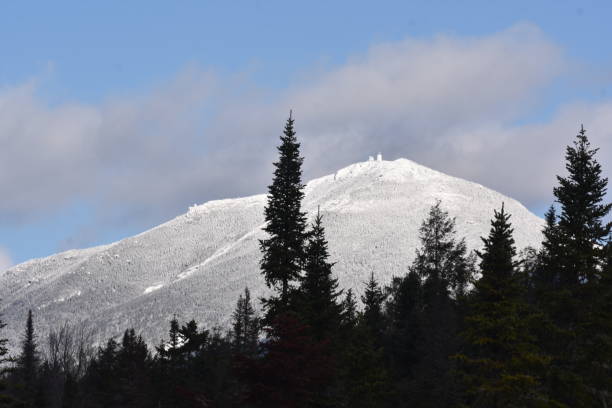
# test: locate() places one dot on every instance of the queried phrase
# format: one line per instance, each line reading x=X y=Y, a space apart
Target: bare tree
x=70 y=349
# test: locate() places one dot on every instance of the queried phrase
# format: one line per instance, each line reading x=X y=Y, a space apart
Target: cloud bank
x=452 y=103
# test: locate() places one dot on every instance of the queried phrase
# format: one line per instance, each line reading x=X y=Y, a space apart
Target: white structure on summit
x=370 y=158
x=379 y=157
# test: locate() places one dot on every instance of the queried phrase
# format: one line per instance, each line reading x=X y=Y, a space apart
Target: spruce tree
x=319 y=292
x=501 y=364
x=292 y=369
x=132 y=371
x=573 y=266
x=372 y=316
x=581 y=223
x=362 y=375
x=445 y=270
x=442 y=259
x=28 y=361
x=404 y=310
x=245 y=326
x=101 y=378
x=546 y=277
x=283 y=249
x=349 y=310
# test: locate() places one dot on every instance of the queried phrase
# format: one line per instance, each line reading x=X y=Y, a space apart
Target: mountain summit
x=197 y=264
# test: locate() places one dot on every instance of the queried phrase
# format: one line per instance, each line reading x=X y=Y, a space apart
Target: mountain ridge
x=196 y=264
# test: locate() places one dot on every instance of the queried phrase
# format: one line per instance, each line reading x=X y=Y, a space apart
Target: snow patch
x=153 y=288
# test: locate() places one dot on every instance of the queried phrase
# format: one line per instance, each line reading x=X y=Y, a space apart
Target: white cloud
x=447 y=102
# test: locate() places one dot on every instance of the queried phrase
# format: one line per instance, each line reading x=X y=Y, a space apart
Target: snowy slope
x=197 y=264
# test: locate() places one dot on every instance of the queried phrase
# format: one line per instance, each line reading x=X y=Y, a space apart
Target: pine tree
x=292 y=369
x=132 y=371
x=572 y=267
x=404 y=311
x=581 y=222
x=245 y=324
x=170 y=351
x=283 y=250
x=501 y=364
x=349 y=310
x=28 y=361
x=441 y=259
x=372 y=316
x=445 y=270
x=363 y=375
x=319 y=292
x=101 y=378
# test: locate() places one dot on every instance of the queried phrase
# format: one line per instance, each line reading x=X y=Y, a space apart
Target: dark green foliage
x=501 y=364
x=570 y=281
x=283 y=250
x=442 y=259
x=292 y=370
x=581 y=223
x=349 y=310
x=119 y=376
x=372 y=317
x=27 y=364
x=100 y=380
x=363 y=375
x=424 y=315
x=318 y=304
x=404 y=313
x=245 y=326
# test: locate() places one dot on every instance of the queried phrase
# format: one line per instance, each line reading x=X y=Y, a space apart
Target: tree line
x=493 y=328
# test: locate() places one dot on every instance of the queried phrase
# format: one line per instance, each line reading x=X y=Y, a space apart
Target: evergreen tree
x=170 y=351
x=363 y=376
x=372 y=316
x=319 y=292
x=571 y=269
x=404 y=310
x=581 y=222
x=292 y=370
x=501 y=364
x=101 y=379
x=445 y=270
x=442 y=259
x=28 y=361
x=132 y=370
x=245 y=324
x=349 y=310
x=283 y=250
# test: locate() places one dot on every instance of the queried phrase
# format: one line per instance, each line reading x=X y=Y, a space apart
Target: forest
x=494 y=328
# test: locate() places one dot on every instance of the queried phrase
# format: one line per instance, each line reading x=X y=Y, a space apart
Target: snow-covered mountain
x=196 y=265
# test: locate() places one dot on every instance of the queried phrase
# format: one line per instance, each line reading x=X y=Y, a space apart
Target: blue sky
x=116 y=116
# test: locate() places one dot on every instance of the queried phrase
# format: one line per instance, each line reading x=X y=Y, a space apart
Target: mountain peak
x=197 y=264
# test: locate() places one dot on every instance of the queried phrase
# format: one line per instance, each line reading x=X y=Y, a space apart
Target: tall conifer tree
x=573 y=264
x=372 y=316
x=501 y=365
x=445 y=270
x=245 y=326
x=442 y=259
x=29 y=360
x=319 y=289
x=283 y=249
